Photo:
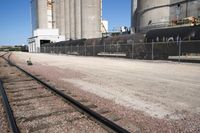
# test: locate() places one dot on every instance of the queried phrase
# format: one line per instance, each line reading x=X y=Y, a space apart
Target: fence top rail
x=133 y=43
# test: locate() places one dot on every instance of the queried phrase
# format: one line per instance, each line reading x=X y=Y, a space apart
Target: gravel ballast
x=160 y=96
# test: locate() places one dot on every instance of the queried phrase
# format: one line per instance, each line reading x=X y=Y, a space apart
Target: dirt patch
x=158 y=96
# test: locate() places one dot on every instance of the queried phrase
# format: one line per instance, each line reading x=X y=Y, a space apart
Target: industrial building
x=151 y=14
x=59 y=20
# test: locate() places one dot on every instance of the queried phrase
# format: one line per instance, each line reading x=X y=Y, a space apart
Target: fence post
x=179 y=51
x=152 y=50
x=85 y=50
x=93 y=49
x=71 y=49
x=58 y=49
x=132 y=49
x=117 y=49
x=78 y=52
x=68 y=50
x=104 y=48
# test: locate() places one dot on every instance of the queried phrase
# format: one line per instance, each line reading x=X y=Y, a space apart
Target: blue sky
x=15 y=22
x=117 y=12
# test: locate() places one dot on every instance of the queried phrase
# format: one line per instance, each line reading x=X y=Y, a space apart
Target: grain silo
x=184 y=8
x=58 y=20
x=39 y=16
x=60 y=16
x=67 y=20
x=151 y=14
x=43 y=24
x=78 y=19
x=91 y=18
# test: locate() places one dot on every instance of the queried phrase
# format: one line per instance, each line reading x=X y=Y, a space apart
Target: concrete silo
x=91 y=18
x=60 y=16
x=43 y=26
x=72 y=19
x=82 y=18
x=59 y=20
x=67 y=20
x=134 y=6
x=182 y=9
x=151 y=14
x=78 y=17
x=39 y=16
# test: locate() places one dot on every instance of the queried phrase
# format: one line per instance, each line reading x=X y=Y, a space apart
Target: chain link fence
x=153 y=50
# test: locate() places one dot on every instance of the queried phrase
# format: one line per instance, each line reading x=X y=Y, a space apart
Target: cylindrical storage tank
x=54 y=15
x=42 y=14
x=184 y=9
x=39 y=14
x=133 y=14
x=62 y=17
x=78 y=19
x=59 y=6
x=99 y=18
x=72 y=19
x=34 y=14
x=153 y=14
x=57 y=13
x=91 y=18
x=67 y=20
x=193 y=8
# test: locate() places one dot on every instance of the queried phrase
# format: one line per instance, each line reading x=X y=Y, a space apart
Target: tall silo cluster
x=151 y=14
x=59 y=20
x=77 y=19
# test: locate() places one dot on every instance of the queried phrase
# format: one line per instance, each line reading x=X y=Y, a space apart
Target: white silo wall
x=54 y=15
x=67 y=20
x=187 y=9
x=152 y=13
x=72 y=19
x=57 y=13
x=39 y=14
x=42 y=14
x=77 y=19
x=62 y=17
x=91 y=18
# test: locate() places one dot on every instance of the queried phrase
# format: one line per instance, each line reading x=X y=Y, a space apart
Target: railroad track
x=33 y=105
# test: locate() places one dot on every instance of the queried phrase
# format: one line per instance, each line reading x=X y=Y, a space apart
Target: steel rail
x=9 y=113
x=3 y=54
x=83 y=109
